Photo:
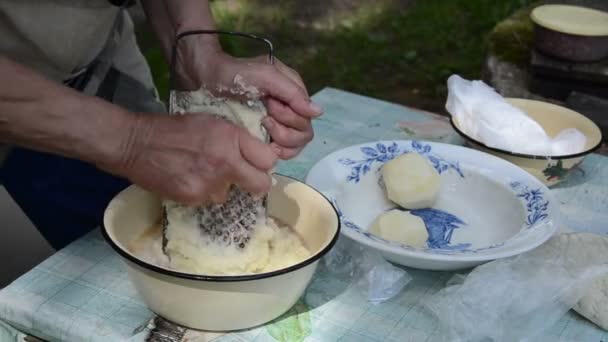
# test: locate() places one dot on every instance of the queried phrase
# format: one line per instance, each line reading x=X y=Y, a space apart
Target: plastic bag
x=568 y=141
x=366 y=269
x=518 y=298
x=484 y=115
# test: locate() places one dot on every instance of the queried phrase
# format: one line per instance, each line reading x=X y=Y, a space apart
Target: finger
x=289 y=153
x=277 y=85
x=257 y=153
x=292 y=74
x=285 y=136
x=251 y=179
x=219 y=194
x=284 y=115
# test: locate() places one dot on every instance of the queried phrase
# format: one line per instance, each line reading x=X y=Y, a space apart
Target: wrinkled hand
x=290 y=109
x=193 y=159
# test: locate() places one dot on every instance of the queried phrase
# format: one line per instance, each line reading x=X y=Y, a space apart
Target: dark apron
x=65 y=198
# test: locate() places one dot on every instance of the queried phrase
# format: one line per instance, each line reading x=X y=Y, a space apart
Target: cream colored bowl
x=551 y=170
x=224 y=303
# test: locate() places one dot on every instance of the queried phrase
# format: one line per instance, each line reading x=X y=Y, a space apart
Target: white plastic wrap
x=516 y=299
x=485 y=116
x=568 y=141
x=366 y=269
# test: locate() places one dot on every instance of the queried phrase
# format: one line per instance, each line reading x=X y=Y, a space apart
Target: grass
x=401 y=51
x=512 y=39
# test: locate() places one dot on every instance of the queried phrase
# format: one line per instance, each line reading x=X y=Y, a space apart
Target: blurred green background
x=397 y=50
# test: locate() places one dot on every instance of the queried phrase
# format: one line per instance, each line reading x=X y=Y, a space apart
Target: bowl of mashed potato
x=225 y=290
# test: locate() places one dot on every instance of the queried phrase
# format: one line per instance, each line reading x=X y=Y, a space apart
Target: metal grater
x=231 y=223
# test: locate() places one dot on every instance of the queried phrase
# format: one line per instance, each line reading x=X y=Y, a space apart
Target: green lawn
x=402 y=51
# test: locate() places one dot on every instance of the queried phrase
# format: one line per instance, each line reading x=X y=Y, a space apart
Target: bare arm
x=42 y=115
x=169 y=18
x=160 y=22
x=161 y=153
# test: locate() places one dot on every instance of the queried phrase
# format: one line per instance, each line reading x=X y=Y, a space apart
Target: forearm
x=169 y=18
x=42 y=115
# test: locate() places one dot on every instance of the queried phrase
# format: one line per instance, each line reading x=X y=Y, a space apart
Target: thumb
x=257 y=153
x=250 y=179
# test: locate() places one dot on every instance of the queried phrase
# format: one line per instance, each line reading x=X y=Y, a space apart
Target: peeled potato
x=411 y=181
x=402 y=227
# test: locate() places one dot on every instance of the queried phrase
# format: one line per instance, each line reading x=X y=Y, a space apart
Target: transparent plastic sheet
x=378 y=279
x=518 y=298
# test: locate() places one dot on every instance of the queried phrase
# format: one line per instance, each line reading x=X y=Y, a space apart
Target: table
x=82 y=293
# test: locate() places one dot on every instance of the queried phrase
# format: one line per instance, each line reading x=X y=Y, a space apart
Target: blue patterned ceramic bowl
x=487 y=208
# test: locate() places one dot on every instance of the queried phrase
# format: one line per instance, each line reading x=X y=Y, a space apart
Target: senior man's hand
x=193 y=159
x=289 y=106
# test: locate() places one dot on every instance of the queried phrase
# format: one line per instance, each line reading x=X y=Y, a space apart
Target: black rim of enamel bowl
x=247 y=277
x=523 y=155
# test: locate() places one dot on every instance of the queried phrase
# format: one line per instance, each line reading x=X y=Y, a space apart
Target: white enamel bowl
x=487 y=208
x=224 y=303
x=551 y=170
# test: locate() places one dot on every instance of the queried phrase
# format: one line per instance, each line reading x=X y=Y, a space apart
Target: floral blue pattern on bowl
x=440 y=226
x=381 y=153
x=536 y=205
